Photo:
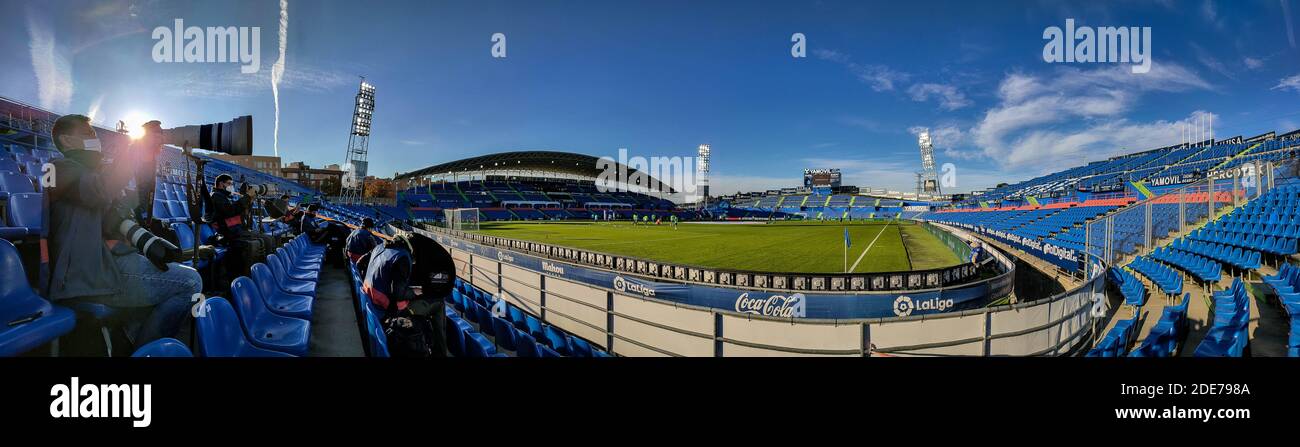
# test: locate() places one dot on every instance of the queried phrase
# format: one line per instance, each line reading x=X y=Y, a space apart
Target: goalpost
x=464 y=219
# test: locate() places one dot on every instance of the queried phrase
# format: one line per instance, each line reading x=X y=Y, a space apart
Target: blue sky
x=661 y=77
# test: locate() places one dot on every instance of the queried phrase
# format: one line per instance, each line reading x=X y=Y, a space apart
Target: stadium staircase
x=516 y=191
x=463 y=197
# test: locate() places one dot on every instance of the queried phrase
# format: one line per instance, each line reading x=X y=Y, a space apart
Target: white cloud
x=206 y=82
x=1210 y=13
x=1288 y=83
x=1209 y=61
x=50 y=64
x=1253 y=63
x=879 y=77
x=414 y=142
x=948 y=96
x=1076 y=113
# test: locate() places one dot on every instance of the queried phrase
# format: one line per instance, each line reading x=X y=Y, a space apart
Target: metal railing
x=1144 y=225
x=961 y=275
x=1058 y=325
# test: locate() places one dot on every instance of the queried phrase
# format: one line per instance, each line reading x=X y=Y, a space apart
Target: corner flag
x=847 y=243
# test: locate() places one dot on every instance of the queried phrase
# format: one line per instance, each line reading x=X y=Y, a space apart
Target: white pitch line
x=873 y=243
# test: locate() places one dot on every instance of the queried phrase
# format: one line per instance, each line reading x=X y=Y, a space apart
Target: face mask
x=92 y=144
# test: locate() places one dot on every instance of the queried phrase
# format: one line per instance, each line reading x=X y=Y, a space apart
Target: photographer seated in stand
x=317 y=230
x=293 y=215
x=362 y=241
x=235 y=227
x=98 y=253
x=408 y=278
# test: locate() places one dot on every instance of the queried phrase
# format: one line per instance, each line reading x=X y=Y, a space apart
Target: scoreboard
x=821 y=178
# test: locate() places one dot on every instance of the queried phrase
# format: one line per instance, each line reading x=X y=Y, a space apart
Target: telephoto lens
x=159 y=251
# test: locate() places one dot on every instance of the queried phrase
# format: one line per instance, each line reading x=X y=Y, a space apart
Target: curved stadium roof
x=545 y=161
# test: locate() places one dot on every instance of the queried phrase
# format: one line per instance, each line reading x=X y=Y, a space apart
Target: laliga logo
x=903 y=305
x=773 y=306
x=623 y=285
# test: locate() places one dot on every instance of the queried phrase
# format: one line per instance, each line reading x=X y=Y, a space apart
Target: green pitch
x=798 y=247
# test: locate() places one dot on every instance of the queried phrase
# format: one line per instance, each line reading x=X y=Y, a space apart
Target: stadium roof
x=544 y=161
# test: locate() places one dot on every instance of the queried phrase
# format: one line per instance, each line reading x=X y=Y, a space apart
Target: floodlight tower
x=354 y=174
x=930 y=180
x=702 y=175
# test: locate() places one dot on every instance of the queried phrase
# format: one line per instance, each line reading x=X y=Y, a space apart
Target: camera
x=257 y=189
x=158 y=250
x=234 y=137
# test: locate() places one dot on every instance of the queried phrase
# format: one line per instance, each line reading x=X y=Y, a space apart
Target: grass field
x=798 y=247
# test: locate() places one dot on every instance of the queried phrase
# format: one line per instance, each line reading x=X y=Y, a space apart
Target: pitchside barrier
x=638 y=317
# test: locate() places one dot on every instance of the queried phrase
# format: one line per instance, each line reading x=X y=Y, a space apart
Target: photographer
x=408 y=278
x=317 y=230
x=227 y=212
x=292 y=216
x=361 y=241
x=98 y=253
x=236 y=227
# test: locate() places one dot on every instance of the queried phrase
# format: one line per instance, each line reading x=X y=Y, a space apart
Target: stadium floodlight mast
x=702 y=175
x=930 y=179
x=354 y=166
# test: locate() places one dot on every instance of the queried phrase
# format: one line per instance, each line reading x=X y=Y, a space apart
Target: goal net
x=464 y=219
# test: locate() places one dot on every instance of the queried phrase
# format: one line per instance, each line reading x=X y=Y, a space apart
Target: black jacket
x=227 y=212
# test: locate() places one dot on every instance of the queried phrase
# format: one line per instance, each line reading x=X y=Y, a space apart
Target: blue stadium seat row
x=272 y=309
x=1134 y=292
x=1228 y=335
x=470 y=315
x=1168 y=280
x=1116 y=341
x=1166 y=337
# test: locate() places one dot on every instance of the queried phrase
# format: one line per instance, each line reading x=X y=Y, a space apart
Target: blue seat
x=178 y=210
x=295 y=265
x=526 y=345
x=517 y=317
x=456 y=329
x=375 y=334
x=504 y=333
x=1228 y=333
x=220 y=334
x=580 y=347
x=457 y=300
x=8 y=165
x=13 y=182
x=277 y=300
x=265 y=328
x=26 y=320
x=163 y=214
x=479 y=346
x=534 y=327
x=1115 y=343
x=1167 y=334
x=293 y=272
x=287 y=284
x=484 y=320
x=164 y=347
x=547 y=351
x=557 y=340
x=24 y=215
